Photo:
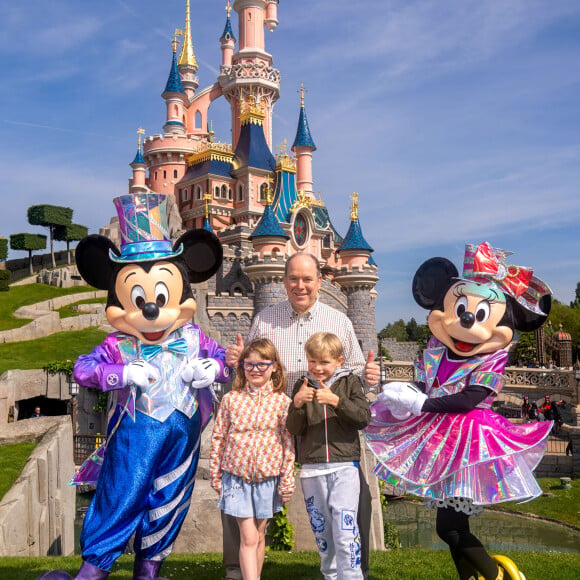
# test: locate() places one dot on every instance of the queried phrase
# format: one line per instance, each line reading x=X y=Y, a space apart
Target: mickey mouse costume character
x=439 y=439
x=158 y=368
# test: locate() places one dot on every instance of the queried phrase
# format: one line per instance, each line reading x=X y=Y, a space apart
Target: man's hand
x=372 y=372
x=306 y=394
x=140 y=373
x=326 y=397
x=201 y=372
x=233 y=352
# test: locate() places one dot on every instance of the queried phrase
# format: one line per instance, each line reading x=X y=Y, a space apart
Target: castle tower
x=175 y=97
x=358 y=277
x=187 y=64
x=303 y=147
x=137 y=183
x=251 y=77
x=265 y=268
x=228 y=40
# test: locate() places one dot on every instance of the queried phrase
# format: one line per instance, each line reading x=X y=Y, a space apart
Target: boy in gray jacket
x=328 y=409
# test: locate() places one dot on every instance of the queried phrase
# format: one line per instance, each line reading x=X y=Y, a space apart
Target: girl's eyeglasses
x=261 y=367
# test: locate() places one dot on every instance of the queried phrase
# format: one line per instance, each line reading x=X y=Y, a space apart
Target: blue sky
x=456 y=120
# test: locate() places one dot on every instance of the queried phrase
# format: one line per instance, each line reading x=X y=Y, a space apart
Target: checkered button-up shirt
x=289 y=332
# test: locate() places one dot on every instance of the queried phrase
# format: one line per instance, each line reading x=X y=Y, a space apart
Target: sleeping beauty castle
x=261 y=205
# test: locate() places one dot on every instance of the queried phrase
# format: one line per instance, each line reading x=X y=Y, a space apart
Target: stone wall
x=401 y=351
x=37 y=513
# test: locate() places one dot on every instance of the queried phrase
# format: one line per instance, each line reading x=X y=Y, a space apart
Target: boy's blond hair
x=324 y=343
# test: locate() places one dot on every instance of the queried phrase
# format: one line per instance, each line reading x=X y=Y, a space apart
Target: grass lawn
x=35 y=354
x=558 y=504
x=12 y=460
x=28 y=294
x=408 y=564
x=68 y=311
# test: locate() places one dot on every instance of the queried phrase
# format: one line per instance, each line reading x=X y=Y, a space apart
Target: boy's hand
x=326 y=397
x=306 y=394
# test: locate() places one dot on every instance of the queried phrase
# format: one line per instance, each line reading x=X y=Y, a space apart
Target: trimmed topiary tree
x=50 y=216
x=28 y=243
x=70 y=233
x=3 y=252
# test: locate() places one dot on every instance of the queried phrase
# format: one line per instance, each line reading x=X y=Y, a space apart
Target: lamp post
x=73 y=390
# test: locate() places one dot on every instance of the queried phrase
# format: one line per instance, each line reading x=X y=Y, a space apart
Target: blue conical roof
x=268 y=226
x=174 y=81
x=303 y=136
x=228 y=32
x=354 y=239
x=206 y=225
x=252 y=149
x=138 y=158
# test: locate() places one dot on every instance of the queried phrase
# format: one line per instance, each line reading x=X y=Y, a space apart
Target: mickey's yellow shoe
x=507 y=569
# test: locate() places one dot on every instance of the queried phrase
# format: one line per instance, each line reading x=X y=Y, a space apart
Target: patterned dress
x=478 y=456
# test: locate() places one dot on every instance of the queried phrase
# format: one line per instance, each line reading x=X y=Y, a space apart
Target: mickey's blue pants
x=144 y=486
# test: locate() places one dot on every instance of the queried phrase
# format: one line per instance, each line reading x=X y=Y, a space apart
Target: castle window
x=198 y=192
x=217 y=192
x=263 y=192
x=185 y=195
x=224 y=191
x=230 y=194
x=198 y=120
x=240 y=192
x=164 y=174
x=175 y=174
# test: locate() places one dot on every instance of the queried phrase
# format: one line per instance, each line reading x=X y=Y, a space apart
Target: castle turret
x=358 y=277
x=228 y=40
x=187 y=64
x=271 y=14
x=175 y=97
x=303 y=147
x=137 y=184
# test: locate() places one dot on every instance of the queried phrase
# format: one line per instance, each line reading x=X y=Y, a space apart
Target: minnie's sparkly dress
x=478 y=456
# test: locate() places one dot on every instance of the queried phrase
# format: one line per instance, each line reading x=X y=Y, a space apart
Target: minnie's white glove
x=402 y=399
x=140 y=373
x=201 y=372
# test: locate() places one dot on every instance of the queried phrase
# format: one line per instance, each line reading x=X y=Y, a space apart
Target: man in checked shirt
x=289 y=324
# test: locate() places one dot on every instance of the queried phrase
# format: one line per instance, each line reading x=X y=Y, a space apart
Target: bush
x=4 y=280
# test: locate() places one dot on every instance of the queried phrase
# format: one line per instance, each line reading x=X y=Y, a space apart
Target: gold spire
x=229 y=8
x=187 y=55
x=269 y=191
x=354 y=207
x=175 y=42
x=206 y=198
x=302 y=91
x=140 y=132
x=251 y=112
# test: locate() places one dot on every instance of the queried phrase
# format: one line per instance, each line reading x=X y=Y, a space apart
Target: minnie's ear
x=526 y=321
x=202 y=254
x=432 y=280
x=93 y=262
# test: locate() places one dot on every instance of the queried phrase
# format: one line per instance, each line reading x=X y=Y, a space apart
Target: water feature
x=497 y=531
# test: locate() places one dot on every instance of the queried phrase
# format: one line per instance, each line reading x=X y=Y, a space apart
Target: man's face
x=302 y=283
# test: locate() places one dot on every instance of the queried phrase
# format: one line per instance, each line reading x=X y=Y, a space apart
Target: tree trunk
x=51 y=247
x=31 y=270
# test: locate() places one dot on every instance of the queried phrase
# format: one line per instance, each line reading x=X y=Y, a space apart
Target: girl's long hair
x=266 y=350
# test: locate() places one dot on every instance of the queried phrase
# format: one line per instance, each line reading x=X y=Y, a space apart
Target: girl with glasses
x=252 y=452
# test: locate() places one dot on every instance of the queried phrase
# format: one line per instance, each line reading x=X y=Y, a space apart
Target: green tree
x=70 y=233
x=28 y=243
x=525 y=349
x=50 y=216
x=395 y=330
x=576 y=302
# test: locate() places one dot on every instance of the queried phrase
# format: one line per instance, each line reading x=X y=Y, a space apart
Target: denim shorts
x=241 y=499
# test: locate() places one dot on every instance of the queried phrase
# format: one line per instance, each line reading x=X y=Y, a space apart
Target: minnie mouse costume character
x=441 y=441
x=158 y=369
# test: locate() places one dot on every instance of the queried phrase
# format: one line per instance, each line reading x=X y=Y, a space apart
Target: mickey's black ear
x=93 y=262
x=432 y=280
x=526 y=321
x=202 y=254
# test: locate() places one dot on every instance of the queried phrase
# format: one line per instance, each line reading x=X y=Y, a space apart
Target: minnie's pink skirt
x=478 y=455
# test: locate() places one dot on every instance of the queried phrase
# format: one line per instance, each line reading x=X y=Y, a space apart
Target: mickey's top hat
x=144 y=228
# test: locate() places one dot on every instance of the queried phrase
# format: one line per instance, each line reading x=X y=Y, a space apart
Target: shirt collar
x=307 y=315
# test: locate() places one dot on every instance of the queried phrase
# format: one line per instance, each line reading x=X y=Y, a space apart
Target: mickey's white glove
x=402 y=399
x=140 y=373
x=201 y=372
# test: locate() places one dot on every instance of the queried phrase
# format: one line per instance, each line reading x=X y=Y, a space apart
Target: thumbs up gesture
x=233 y=352
x=372 y=372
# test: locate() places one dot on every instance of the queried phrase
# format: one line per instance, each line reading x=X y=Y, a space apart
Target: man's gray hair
x=308 y=255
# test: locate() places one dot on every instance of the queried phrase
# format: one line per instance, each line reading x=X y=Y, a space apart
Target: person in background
x=252 y=452
x=289 y=324
x=328 y=409
x=36 y=413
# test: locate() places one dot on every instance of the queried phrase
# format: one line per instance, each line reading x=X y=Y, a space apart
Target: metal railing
x=84 y=445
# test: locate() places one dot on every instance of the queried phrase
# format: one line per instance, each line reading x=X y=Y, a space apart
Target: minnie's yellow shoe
x=507 y=569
